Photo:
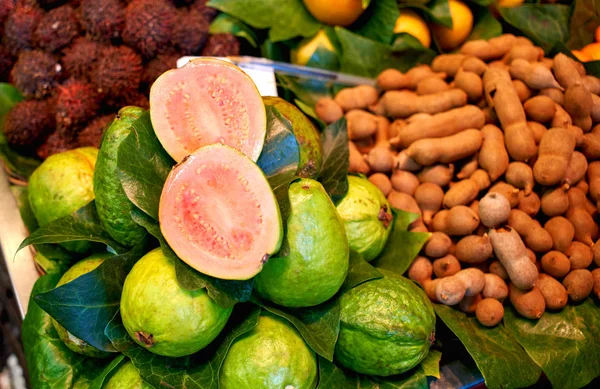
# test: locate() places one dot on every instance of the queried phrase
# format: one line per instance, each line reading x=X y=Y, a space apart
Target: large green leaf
x=319 y=325
x=50 y=363
x=280 y=157
x=565 y=344
x=331 y=376
x=545 y=24
x=439 y=12
x=584 y=21
x=378 y=21
x=84 y=224
x=227 y=24
x=431 y=363
x=197 y=371
x=285 y=19
x=143 y=166
x=98 y=381
x=225 y=292
x=334 y=172
x=501 y=360
x=359 y=271
x=85 y=305
x=486 y=25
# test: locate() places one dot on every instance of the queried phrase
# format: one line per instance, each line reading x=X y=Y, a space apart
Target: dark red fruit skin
x=77 y=102
x=29 y=122
x=91 y=135
x=119 y=70
x=191 y=31
x=54 y=144
x=57 y=28
x=130 y=97
x=103 y=19
x=149 y=26
x=19 y=28
x=80 y=59
x=220 y=45
x=208 y=12
x=154 y=68
x=49 y=4
x=7 y=60
x=6 y=6
x=35 y=74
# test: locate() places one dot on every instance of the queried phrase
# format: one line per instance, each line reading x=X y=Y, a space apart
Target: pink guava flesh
x=218 y=213
x=205 y=102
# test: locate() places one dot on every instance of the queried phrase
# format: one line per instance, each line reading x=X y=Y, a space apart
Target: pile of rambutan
x=77 y=62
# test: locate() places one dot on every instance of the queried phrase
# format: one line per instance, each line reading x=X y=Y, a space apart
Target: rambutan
x=131 y=97
x=91 y=135
x=154 y=68
x=36 y=73
x=191 y=31
x=221 y=45
x=54 y=144
x=57 y=28
x=79 y=60
x=28 y=122
x=76 y=103
x=20 y=26
x=208 y=12
x=7 y=61
x=149 y=25
x=48 y=4
x=119 y=70
x=6 y=6
x=103 y=19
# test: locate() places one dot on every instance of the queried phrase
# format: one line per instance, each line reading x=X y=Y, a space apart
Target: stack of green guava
x=218 y=214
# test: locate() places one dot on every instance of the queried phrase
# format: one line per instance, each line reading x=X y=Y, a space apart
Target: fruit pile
x=496 y=148
x=78 y=62
x=218 y=222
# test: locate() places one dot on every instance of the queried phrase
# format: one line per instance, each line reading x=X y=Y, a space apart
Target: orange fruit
x=597 y=34
x=592 y=51
x=580 y=55
x=413 y=24
x=509 y=3
x=462 y=24
x=335 y=12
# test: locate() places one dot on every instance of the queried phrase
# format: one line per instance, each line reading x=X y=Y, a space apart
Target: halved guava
x=219 y=214
x=207 y=101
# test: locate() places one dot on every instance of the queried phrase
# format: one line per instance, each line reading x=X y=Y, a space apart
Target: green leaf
x=9 y=96
x=85 y=305
x=366 y=57
x=439 y=12
x=285 y=20
x=309 y=111
x=565 y=344
x=545 y=24
x=334 y=171
x=50 y=363
x=332 y=376
x=486 y=25
x=324 y=58
x=431 y=363
x=226 y=293
x=405 y=41
x=319 y=325
x=501 y=360
x=143 y=166
x=307 y=90
x=280 y=157
x=22 y=196
x=100 y=378
x=84 y=224
x=359 y=271
x=584 y=21
x=227 y=24
x=378 y=21
x=483 y=3
x=198 y=371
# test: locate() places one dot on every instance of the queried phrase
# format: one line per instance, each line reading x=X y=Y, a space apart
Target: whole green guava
x=367 y=216
x=318 y=259
x=71 y=341
x=61 y=185
x=162 y=316
x=126 y=376
x=386 y=326
x=272 y=355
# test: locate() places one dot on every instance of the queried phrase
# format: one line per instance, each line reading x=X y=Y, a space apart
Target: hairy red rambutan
x=208 y=12
x=6 y=6
x=20 y=26
x=130 y=97
x=91 y=135
x=54 y=144
x=149 y=25
x=47 y=4
x=119 y=70
x=36 y=73
x=79 y=60
x=76 y=103
x=221 y=45
x=7 y=60
x=57 y=28
x=191 y=31
x=28 y=122
x=154 y=68
x=103 y=19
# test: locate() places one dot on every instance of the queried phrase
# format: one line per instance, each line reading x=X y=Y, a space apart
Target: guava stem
x=384 y=217
x=145 y=338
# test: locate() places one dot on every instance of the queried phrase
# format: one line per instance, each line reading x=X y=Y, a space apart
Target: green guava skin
x=61 y=185
x=386 y=326
x=318 y=259
x=367 y=216
x=126 y=377
x=71 y=341
x=112 y=204
x=162 y=316
x=272 y=355
x=309 y=140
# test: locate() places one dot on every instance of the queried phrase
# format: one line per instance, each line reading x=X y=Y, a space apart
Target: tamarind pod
x=328 y=110
x=593 y=179
x=555 y=201
x=474 y=249
x=595 y=111
x=420 y=270
x=523 y=91
x=404 y=162
x=470 y=83
x=537 y=130
x=404 y=181
x=520 y=175
x=429 y=197
x=357 y=163
x=579 y=103
x=562 y=232
x=446 y=266
x=512 y=254
x=438 y=245
x=447 y=63
x=561 y=118
x=555 y=294
x=493 y=156
x=418 y=73
x=405 y=103
x=578 y=199
x=491 y=79
x=580 y=255
x=529 y=204
x=361 y=124
x=449 y=290
x=458 y=220
x=437 y=174
x=524 y=53
x=468 y=168
x=440 y=125
x=429 y=151
x=391 y=79
x=579 y=284
x=486 y=50
x=431 y=85
x=473 y=279
x=535 y=237
x=481 y=178
x=475 y=65
x=530 y=304
x=591 y=144
x=554 y=93
x=577 y=168
x=586 y=230
x=566 y=71
x=555 y=152
x=592 y=84
x=508 y=191
x=536 y=76
x=461 y=193
x=540 y=108
x=358 y=97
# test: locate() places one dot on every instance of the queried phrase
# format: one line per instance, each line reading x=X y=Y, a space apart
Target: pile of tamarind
x=497 y=149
